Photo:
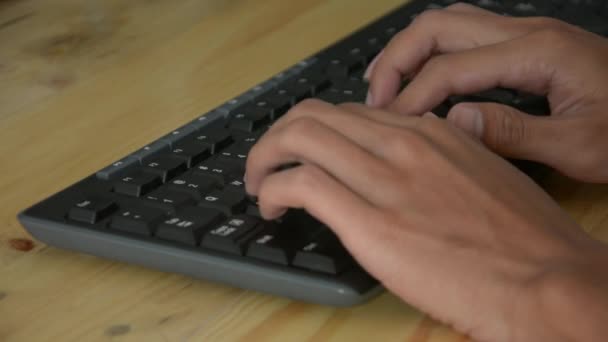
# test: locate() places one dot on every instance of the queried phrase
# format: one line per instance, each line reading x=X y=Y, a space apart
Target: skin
x=427 y=206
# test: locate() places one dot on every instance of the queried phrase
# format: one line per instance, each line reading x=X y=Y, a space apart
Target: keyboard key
x=166 y=167
x=179 y=134
x=258 y=90
x=236 y=184
x=283 y=94
x=118 y=168
x=324 y=253
x=532 y=104
x=268 y=246
x=231 y=236
x=168 y=201
x=337 y=95
x=249 y=118
x=344 y=66
x=235 y=154
x=139 y=221
x=152 y=149
x=218 y=170
x=137 y=184
x=208 y=119
x=195 y=185
x=92 y=210
x=229 y=202
x=188 y=226
x=246 y=142
x=216 y=138
x=306 y=85
x=279 y=243
x=275 y=107
x=191 y=152
x=229 y=106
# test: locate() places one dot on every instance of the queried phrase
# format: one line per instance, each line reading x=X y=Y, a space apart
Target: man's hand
x=441 y=221
x=463 y=49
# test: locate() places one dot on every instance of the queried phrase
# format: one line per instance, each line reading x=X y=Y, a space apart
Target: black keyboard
x=178 y=204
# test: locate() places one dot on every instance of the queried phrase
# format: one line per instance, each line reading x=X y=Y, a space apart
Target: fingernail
x=468 y=118
x=431 y=114
x=369 y=101
x=370 y=67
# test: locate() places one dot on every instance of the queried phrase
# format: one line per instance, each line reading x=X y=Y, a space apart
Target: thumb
x=506 y=130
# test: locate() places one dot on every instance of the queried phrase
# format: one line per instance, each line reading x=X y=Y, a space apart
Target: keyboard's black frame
x=47 y=222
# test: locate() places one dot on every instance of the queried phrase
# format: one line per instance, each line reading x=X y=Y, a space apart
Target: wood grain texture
x=83 y=83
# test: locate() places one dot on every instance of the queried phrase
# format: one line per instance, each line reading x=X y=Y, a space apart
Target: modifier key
x=231 y=235
x=136 y=220
x=92 y=210
x=188 y=226
x=324 y=253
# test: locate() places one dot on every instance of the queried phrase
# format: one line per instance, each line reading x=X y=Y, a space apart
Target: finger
x=523 y=64
x=341 y=116
x=361 y=129
x=468 y=8
x=379 y=115
x=370 y=128
x=321 y=195
x=457 y=8
x=511 y=132
x=371 y=66
x=432 y=32
x=359 y=225
x=429 y=125
x=307 y=141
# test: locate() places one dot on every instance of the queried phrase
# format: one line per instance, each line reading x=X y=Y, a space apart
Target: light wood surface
x=83 y=83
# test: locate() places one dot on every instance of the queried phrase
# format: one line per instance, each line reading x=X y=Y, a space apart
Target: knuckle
x=461 y=6
x=266 y=194
x=431 y=124
x=552 y=39
x=307 y=177
x=406 y=143
x=297 y=130
x=547 y=23
x=428 y=17
x=438 y=64
x=508 y=129
x=305 y=106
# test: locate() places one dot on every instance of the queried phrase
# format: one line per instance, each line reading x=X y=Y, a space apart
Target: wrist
x=572 y=299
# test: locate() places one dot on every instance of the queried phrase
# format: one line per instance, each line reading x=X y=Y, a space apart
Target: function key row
x=243 y=118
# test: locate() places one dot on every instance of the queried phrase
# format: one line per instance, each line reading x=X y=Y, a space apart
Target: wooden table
x=83 y=83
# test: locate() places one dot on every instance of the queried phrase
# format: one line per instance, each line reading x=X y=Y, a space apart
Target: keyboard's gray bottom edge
x=175 y=260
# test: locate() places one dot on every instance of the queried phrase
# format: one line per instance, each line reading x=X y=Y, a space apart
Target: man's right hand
x=463 y=49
